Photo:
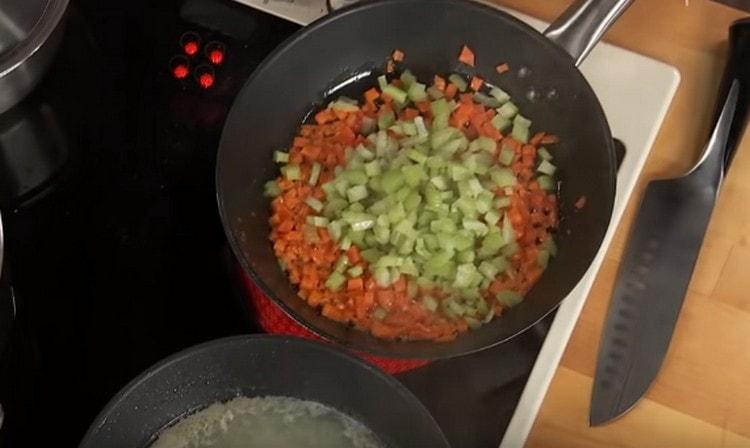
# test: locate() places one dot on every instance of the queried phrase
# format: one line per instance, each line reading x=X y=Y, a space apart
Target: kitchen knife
x=663 y=250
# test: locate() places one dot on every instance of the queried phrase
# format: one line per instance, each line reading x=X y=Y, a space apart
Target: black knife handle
x=738 y=68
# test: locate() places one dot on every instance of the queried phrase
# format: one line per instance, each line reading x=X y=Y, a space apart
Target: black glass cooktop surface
x=115 y=249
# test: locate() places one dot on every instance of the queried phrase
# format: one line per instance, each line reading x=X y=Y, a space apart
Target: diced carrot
x=450 y=91
x=439 y=83
x=325 y=116
x=502 y=68
x=354 y=255
x=372 y=95
x=355 y=284
x=476 y=83
x=467 y=56
x=549 y=139
x=398 y=55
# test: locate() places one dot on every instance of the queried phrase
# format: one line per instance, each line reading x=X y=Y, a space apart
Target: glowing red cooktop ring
x=216 y=52
x=190 y=43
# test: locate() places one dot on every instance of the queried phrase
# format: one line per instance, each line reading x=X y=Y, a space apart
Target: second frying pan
x=354 y=42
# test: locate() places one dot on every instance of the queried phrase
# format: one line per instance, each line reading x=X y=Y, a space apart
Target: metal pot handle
x=581 y=26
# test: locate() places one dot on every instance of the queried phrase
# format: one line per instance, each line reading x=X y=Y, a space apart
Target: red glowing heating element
x=191 y=48
x=216 y=57
x=206 y=80
x=180 y=71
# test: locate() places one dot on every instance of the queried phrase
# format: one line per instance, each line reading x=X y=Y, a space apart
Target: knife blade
x=662 y=253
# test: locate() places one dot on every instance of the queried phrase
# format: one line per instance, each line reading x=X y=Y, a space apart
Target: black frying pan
x=315 y=63
x=260 y=366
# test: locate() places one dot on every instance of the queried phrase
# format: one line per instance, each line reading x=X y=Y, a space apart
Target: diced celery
x=510 y=249
x=421 y=128
x=365 y=153
x=440 y=182
x=409 y=128
x=416 y=156
x=440 y=107
x=464 y=275
x=520 y=130
x=440 y=122
x=443 y=225
x=499 y=94
x=281 y=157
x=335 y=228
x=414 y=175
x=357 y=193
x=503 y=177
x=486 y=144
x=408 y=78
x=417 y=92
x=402 y=193
x=343 y=105
x=355 y=177
x=382 y=276
x=507 y=110
x=412 y=201
x=335 y=281
x=382 y=81
x=394 y=92
x=358 y=221
x=543 y=153
x=491 y=245
x=386 y=119
x=271 y=189
x=314 y=204
x=543 y=258
x=466 y=256
x=507 y=155
x=484 y=201
x=546 y=168
x=459 y=82
x=546 y=182
x=429 y=303
x=479 y=228
x=334 y=206
x=489 y=270
x=292 y=172
x=372 y=169
x=317 y=221
x=435 y=93
x=392 y=180
x=500 y=123
x=371 y=255
x=488 y=101
x=501 y=263
x=356 y=237
x=396 y=214
x=314 y=174
x=355 y=272
x=551 y=247
x=342 y=264
x=508 y=233
x=509 y=298
x=503 y=202
x=491 y=217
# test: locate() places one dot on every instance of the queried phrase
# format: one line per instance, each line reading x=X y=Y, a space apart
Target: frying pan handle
x=581 y=26
x=737 y=69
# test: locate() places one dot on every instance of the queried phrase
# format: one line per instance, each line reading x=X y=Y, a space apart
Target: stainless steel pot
x=30 y=32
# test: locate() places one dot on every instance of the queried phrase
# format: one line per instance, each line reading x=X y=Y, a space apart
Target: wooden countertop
x=702 y=395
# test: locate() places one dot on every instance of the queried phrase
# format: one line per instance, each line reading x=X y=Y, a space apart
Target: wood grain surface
x=702 y=395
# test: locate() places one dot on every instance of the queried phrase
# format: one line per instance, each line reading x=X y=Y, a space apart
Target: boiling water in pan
x=267 y=422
